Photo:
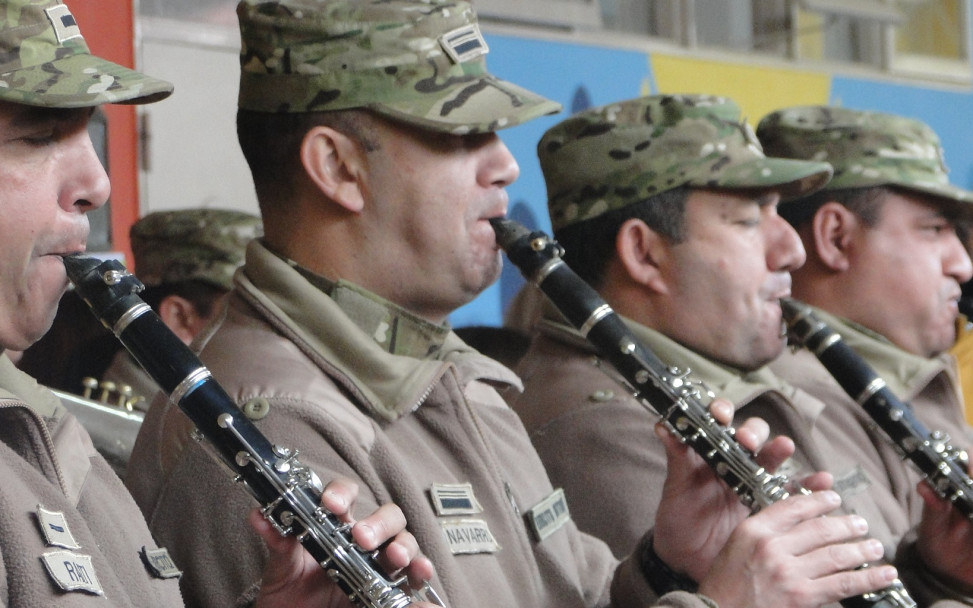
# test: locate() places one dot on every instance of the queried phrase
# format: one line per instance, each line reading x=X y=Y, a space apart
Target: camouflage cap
x=416 y=61
x=865 y=148
x=608 y=157
x=192 y=244
x=44 y=61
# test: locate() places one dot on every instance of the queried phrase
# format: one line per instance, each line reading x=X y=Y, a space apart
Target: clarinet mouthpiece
x=78 y=265
x=508 y=231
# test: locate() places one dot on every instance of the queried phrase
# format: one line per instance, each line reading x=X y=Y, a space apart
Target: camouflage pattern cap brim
x=613 y=156
x=417 y=61
x=44 y=61
x=866 y=149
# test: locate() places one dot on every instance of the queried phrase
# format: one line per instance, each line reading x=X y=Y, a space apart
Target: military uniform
x=173 y=247
x=585 y=425
x=596 y=440
x=361 y=387
x=70 y=533
x=872 y=150
x=72 y=536
x=425 y=431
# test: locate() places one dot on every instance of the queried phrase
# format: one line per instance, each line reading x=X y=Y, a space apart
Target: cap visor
x=793 y=178
x=483 y=104
x=80 y=81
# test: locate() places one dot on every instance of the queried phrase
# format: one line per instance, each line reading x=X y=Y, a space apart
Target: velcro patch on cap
x=547 y=516
x=72 y=571
x=467 y=536
x=65 y=27
x=464 y=43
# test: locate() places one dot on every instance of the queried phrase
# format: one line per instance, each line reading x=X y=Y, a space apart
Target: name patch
x=158 y=563
x=55 y=529
x=454 y=499
x=547 y=516
x=466 y=536
x=72 y=571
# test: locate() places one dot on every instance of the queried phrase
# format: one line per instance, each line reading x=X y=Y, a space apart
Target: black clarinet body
x=681 y=403
x=289 y=492
x=943 y=467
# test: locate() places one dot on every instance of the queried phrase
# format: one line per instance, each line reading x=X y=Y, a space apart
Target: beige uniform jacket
x=70 y=535
x=399 y=427
x=598 y=443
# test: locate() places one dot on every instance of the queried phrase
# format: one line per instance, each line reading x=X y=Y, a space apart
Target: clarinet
x=942 y=465
x=289 y=492
x=686 y=412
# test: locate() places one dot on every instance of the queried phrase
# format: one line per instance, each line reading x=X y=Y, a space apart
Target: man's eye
x=40 y=138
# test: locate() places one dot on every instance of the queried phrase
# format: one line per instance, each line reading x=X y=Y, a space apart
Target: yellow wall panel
x=758 y=90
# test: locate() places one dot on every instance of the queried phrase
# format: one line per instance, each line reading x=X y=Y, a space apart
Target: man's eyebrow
x=28 y=116
x=766 y=198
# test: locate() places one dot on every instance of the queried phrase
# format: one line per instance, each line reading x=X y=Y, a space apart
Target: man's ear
x=642 y=253
x=334 y=163
x=181 y=317
x=834 y=227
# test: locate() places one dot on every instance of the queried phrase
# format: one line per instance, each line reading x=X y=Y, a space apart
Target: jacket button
x=602 y=395
x=256 y=408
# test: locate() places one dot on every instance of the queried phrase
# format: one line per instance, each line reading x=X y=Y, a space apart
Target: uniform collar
x=384 y=374
x=906 y=374
x=393 y=328
x=737 y=386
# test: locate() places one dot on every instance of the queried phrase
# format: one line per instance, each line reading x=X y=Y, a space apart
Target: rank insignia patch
x=464 y=43
x=55 y=529
x=454 y=499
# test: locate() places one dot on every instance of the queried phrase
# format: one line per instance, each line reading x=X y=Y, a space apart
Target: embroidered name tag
x=547 y=516
x=466 y=536
x=158 y=563
x=852 y=482
x=454 y=499
x=72 y=571
x=55 y=529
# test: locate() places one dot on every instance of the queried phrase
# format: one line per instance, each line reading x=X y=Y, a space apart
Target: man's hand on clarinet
x=293 y=579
